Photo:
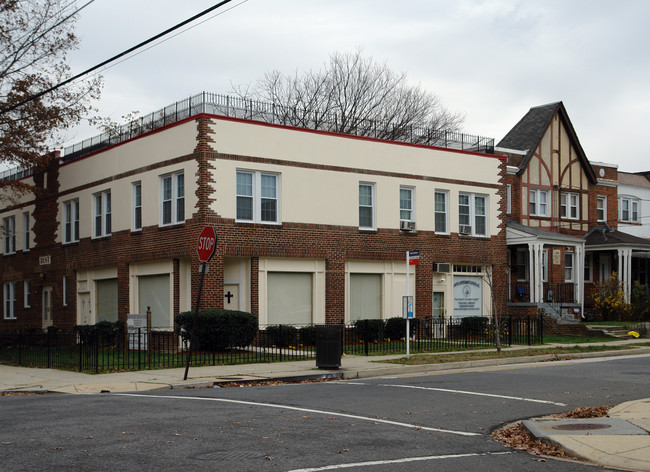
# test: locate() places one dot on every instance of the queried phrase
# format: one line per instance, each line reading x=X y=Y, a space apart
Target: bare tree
x=35 y=38
x=354 y=94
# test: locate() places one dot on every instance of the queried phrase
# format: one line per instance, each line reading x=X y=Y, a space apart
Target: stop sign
x=206 y=244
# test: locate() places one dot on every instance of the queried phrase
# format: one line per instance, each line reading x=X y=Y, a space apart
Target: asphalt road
x=436 y=422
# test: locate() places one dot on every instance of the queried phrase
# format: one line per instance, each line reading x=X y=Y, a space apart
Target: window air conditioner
x=407 y=225
x=464 y=229
x=443 y=267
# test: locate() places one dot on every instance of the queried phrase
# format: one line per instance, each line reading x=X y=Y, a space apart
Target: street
x=436 y=422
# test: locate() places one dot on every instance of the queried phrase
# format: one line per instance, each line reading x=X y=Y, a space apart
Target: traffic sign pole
x=205 y=248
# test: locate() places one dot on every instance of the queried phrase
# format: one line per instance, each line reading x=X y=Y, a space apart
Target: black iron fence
x=150 y=349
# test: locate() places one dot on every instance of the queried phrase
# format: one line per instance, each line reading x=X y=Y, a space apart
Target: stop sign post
x=205 y=248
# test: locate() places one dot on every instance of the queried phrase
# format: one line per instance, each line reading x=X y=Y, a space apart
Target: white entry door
x=231 y=296
x=85 y=310
x=47 y=306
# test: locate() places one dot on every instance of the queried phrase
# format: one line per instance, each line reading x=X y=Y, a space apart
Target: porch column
x=625 y=271
x=536 y=272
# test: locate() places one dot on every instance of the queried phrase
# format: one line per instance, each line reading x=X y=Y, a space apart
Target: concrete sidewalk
x=614 y=446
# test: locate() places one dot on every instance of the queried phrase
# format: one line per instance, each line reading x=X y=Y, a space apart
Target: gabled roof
x=526 y=135
x=605 y=236
x=516 y=233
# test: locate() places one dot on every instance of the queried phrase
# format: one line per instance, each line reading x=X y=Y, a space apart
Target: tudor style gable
x=549 y=174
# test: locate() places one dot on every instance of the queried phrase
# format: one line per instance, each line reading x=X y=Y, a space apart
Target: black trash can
x=329 y=346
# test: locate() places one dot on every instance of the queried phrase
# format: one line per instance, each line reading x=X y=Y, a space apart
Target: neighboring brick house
x=562 y=217
x=312 y=226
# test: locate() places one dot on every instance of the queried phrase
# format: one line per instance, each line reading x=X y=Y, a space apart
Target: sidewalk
x=623 y=443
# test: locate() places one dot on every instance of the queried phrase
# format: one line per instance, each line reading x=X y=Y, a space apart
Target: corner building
x=312 y=226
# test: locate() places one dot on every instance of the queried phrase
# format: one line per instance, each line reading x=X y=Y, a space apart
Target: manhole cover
x=581 y=426
x=230 y=455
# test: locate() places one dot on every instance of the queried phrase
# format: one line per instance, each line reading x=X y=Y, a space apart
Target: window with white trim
x=27 y=293
x=568 y=266
x=9 y=231
x=544 y=265
x=628 y=210
x=289 y=297
x=137 y=206
x=522 y=264
x=472 y=214
x=366 y=205
x=441 y=212
x=257 y=197
x=65 y=291
x=570 y=206
x=406 y=204
x=172 y=199
x=508 y=198
x=538 y=202
x=102 y=214
x=9 y=300
x=71 y=221
x=26 y=231
x=601 y=208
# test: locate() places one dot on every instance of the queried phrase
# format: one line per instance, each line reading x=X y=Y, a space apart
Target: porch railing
x=552 y=293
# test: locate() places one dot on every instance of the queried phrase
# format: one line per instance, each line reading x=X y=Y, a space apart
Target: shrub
x=107 y=332
x=640 y=302
x=281 y=335
x=217 y=329
x=474 y=324
x=370 y=330
x=610 y=300
x=307 y=336
x=396 y=328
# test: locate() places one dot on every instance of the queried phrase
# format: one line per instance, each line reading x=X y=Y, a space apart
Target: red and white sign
x=414 y=257
x=206 y=244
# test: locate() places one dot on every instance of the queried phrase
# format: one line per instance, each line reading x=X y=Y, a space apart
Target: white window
x=568 y=267
x=625 y=209
x=27 y=294
x=508 y=198
x=538 y=202
x=635 y=211
x=569 y=206
x=257 y=197
x=102 y=214
x=406 y=205
x=367 y=206
x=472 y=214
x=137 y=206
x=106 y=300
x=26 y=231
x=65 y=291
x=71 y=221
x=172 y=199
x=365 y=296
x=289 y=297
x=441 y=212
x=601 y=209
x=9 y=300
x=9 y=230
x=544 y=265
x=628 y=210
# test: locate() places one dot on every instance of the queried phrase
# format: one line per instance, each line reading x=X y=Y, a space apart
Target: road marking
x=507 y=397
x=306 y=410
x=398 y=461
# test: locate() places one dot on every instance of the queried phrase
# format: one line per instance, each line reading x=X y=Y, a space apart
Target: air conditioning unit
x=407 y=225
x=443 y=267
x=464 y=229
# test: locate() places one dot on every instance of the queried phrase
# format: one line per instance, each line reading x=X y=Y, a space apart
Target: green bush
x=217 y=329
x=610 y=300
x=281 y=335
x=106 y=332
x=307 y=336
x=396 y=328
x=474 y=324
x=640 y=302
x=370 y=331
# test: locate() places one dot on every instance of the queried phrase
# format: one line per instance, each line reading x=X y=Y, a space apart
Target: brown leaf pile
x=517 y=436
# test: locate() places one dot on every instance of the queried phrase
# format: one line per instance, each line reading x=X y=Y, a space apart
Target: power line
x=114 y=58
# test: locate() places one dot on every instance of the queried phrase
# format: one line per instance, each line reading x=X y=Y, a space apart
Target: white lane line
x=398 y=461
x=507 y=397
x=306 y=410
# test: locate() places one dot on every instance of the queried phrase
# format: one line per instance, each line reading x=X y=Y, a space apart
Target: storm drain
x=230 y=455
x=581 y=426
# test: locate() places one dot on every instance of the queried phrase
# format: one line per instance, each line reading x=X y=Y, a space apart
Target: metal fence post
x=47 y=344
x=366 y=330
x=528 y=329
x=96 y=353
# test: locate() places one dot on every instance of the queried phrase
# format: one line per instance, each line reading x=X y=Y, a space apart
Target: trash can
x=329 y=346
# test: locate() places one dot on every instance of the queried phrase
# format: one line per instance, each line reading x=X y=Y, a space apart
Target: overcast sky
x=491 y=60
